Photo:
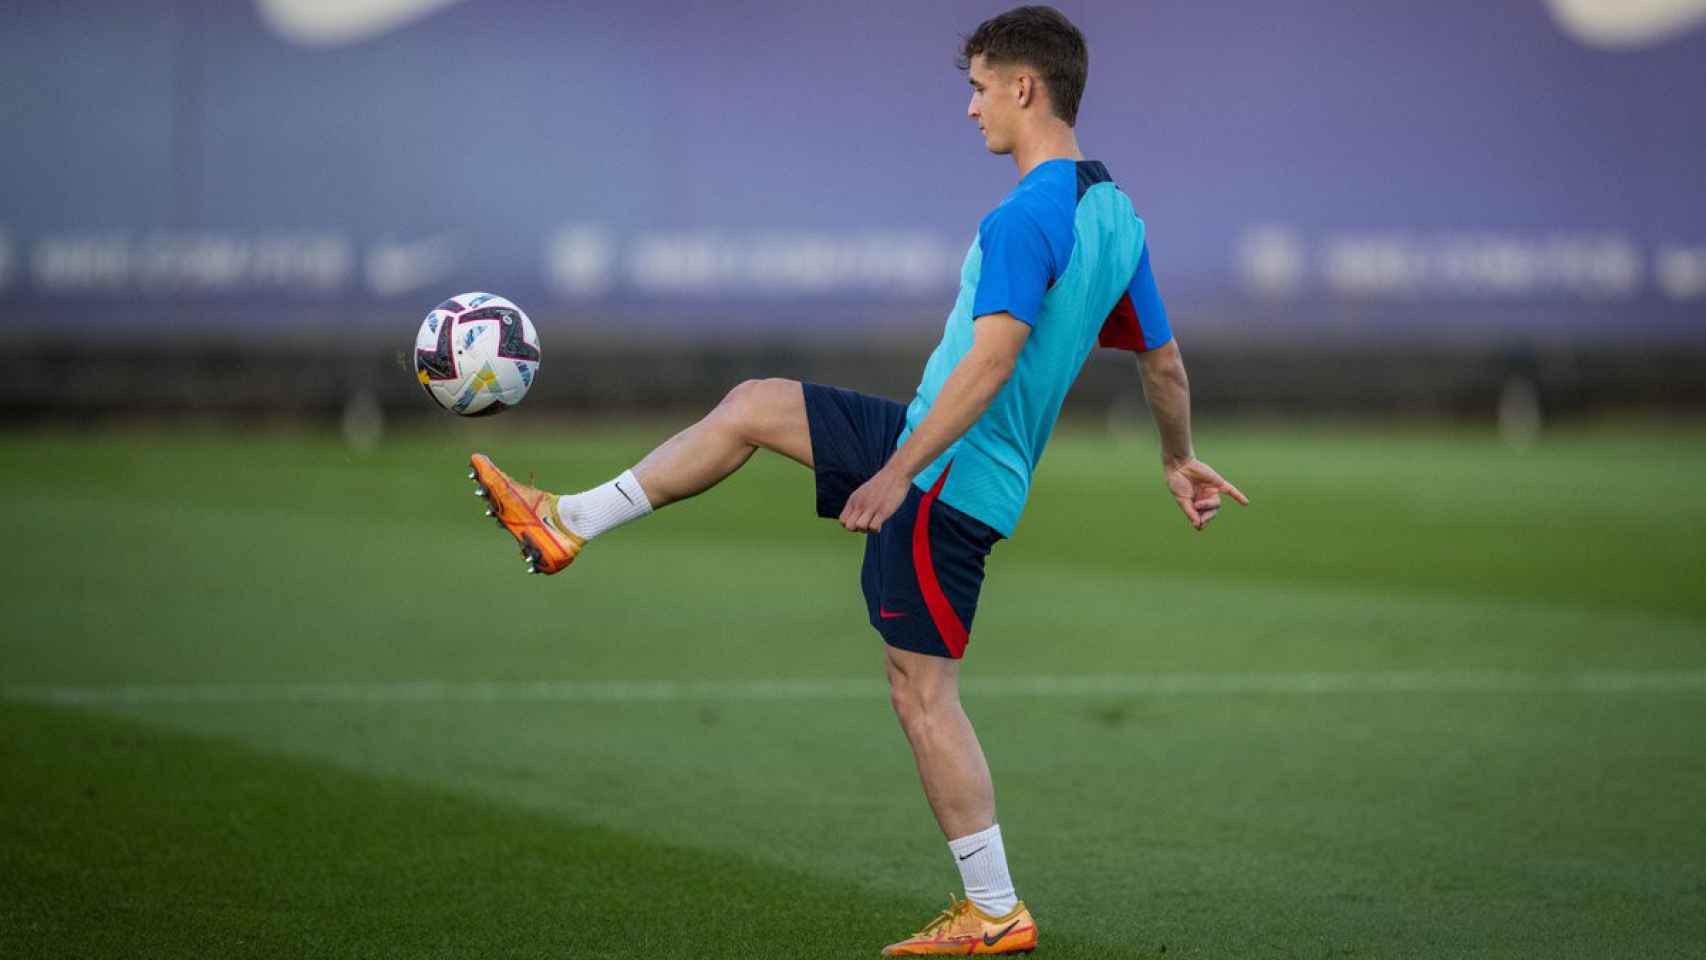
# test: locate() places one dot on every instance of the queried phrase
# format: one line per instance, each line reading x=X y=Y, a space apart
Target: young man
x=1058 y=267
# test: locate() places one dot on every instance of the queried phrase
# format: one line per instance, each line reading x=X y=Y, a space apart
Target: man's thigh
x=851 y=436
x=924 y=573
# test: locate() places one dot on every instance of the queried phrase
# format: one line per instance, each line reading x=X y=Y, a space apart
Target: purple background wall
x=1384 y=170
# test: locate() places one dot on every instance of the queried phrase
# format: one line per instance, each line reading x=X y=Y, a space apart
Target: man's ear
x=1027 y=88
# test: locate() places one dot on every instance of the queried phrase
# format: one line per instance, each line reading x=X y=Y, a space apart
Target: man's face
x=994 y=103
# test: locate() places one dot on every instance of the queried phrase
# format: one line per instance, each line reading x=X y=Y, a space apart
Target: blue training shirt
x=1065 y=253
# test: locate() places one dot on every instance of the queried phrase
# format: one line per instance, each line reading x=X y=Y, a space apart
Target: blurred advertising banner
x=1388 y=170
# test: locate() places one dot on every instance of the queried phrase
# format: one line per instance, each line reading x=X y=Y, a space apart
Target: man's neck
x=1057 y=142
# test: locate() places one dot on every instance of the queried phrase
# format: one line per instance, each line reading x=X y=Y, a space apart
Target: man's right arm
x=1194 y=484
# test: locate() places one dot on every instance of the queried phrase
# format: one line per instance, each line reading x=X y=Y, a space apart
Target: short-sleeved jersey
x=1065 y=253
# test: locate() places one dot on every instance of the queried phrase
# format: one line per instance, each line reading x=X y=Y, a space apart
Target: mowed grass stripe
x=666 y=691
x=1446 y=513
x=1263 y=827
x=183 y=602
x=121 y=840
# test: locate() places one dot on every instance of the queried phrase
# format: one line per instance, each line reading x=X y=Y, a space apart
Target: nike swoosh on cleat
x=888 y=614
x=975 y=852
x=990 y=941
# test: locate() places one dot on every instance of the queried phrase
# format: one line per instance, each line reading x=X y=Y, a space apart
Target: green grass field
x=1429 y=697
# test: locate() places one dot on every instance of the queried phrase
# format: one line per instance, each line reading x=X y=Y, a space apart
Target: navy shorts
x=924 y=568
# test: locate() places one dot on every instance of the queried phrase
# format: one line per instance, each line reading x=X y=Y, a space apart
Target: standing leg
x=925 y=692
x=926 y=697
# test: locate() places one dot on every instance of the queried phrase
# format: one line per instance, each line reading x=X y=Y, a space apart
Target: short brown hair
x=1041 y=38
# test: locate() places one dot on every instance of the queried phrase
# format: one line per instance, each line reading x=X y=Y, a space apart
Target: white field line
x=1077 y=685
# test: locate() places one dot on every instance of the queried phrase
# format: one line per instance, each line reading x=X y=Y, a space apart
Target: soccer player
x=1058 y=267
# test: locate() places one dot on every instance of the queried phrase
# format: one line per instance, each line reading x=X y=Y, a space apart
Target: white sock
x=983 y=867
x=605 y=507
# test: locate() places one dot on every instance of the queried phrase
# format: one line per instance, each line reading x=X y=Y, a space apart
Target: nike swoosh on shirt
x=336 y=23
x=1626 y=24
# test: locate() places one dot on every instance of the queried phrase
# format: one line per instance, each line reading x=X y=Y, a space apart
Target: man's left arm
x=996 y=341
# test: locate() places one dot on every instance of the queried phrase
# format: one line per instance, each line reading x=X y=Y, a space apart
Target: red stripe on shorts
x=941 y=611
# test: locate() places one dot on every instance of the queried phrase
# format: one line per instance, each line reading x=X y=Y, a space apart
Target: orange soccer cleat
x=964 y=930
x=530 y=515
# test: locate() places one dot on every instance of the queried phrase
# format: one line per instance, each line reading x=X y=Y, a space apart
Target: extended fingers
x=1234 y=493
x=1205 y=475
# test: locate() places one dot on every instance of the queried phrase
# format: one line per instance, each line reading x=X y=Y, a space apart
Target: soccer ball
x=476 y=354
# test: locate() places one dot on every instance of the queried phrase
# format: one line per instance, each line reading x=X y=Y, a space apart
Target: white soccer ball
x=476 y=354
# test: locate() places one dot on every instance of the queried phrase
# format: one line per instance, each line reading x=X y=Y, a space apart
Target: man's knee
x=741 y=398
x=753 y=407
x=919 y=697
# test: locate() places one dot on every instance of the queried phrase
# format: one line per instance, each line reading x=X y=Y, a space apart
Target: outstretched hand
x=1197 y=488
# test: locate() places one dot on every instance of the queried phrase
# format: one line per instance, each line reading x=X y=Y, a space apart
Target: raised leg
x=758 y=413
